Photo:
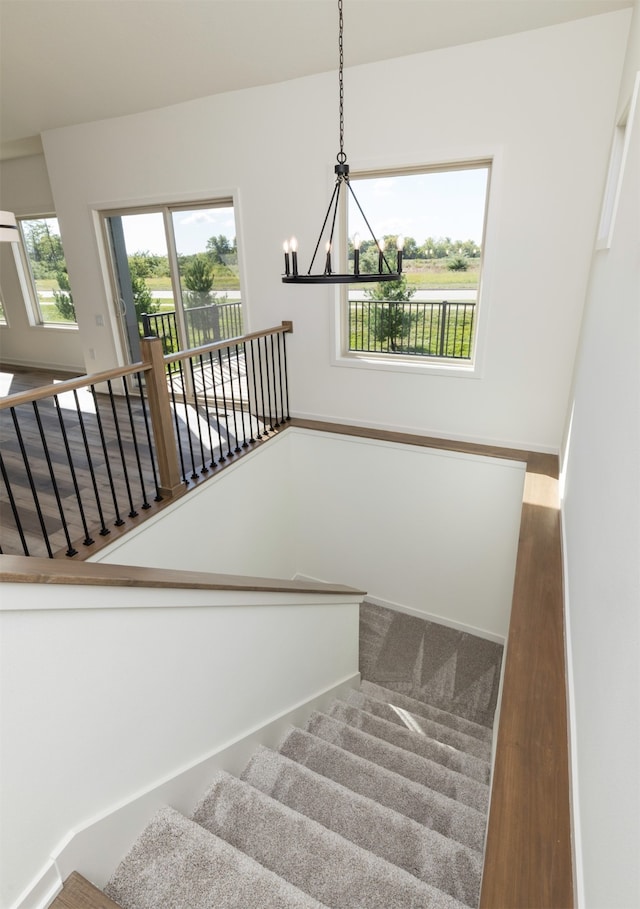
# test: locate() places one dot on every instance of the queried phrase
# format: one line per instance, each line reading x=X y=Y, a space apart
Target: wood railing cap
x=30 y=570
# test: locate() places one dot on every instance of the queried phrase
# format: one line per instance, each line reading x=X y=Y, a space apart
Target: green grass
x=50 y=313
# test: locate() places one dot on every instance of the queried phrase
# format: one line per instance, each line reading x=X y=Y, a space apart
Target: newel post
x=161 y=419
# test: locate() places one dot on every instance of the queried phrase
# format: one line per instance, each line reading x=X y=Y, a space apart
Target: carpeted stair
x=378 y=803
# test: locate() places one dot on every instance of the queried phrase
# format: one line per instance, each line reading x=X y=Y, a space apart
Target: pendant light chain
x=341 y=170
x=341 y=155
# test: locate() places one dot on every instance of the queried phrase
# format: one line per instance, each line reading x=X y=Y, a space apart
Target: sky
x=145 y=232
x=432 y=204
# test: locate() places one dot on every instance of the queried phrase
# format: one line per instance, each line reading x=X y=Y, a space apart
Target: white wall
x=238 y=523
x=432 y=532
x=601 y=519
x=25 y=190
x=540 y=101
x=106 y=691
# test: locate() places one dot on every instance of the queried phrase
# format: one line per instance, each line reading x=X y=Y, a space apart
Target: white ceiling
x=65 y=62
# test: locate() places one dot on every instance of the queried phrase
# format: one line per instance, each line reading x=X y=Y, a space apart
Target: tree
x=391 y=323
x=142 y=299
x=198 y=278
x=219 y=247
x=458 y=263
x=63 y=298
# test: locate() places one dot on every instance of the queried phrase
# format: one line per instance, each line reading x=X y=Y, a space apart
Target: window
x=43 y=272
x=3 y=318
x=431 y=312
x=175 y=272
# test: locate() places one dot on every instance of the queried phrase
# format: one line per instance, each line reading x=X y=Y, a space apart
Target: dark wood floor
x=46 y=490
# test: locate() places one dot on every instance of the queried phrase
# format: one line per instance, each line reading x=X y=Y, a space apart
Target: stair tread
x=412 y=766
x=301 y=850
x=426 y=806
x=420 y=725
x=441 y=753
x=423 y=708
x=175 y=862
x=425 y=853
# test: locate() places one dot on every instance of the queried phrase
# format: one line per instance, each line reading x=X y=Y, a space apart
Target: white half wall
x=541 y=102
x=601 y=524
x=433 y=532
x=107 y=692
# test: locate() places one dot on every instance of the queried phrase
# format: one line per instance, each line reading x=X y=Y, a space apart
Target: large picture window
x=431 y=312
x=44 y=272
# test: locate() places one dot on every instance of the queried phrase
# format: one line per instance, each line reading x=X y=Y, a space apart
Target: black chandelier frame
x=341 y=169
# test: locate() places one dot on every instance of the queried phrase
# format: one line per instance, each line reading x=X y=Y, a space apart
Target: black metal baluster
x=30 y=480
x=88 y=540
x=265 y=431
x=249 y=412
x=134 y=438
x=255 y=389
x=275 y=387
x=278 y=337
x=104 y=530
x=54 y=485
x=215 y=401
x=194 y=475
x=107 y=460
x=472 y=325
x=245 y=444
x=224 y=404
x=233 y=400
x=14 y=509
x=205 y=398
x=266 y=366
x=116 y=425
x=152 y=456
x=204 y=468
x=455 y=332
x=286 y=376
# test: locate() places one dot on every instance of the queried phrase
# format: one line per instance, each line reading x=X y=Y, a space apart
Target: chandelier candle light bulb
x=285 y=246
x=293 y=243
x=356 y=254
x=380 y=255
x=327 y=267
x=399 y=245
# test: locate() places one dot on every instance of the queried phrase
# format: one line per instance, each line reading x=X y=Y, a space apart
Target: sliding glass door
x=175 y=274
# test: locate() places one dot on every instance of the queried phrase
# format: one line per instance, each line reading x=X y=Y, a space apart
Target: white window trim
x=28 y=286
x=473 y=369
x=617 y=164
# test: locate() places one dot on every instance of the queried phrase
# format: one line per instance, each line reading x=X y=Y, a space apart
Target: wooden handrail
x=30 y=570
x=285 y=327
x=58 y=388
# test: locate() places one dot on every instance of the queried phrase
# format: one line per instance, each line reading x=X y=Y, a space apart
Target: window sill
x=59 y=326
x=412 y=365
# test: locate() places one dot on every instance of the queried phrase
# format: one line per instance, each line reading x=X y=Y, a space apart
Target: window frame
x=411 y=363
x=27 y=282
x=166 y=208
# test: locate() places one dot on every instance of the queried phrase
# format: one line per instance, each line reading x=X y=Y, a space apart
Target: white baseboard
x=95 y=849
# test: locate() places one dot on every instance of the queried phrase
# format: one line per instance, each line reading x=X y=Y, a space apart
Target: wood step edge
x=78 y=893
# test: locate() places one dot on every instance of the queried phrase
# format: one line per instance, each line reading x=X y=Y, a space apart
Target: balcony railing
x=418 y=329
x=202 y=325
x=83 y=457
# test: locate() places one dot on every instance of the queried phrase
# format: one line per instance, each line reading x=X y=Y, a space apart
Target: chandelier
x=341 y=169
